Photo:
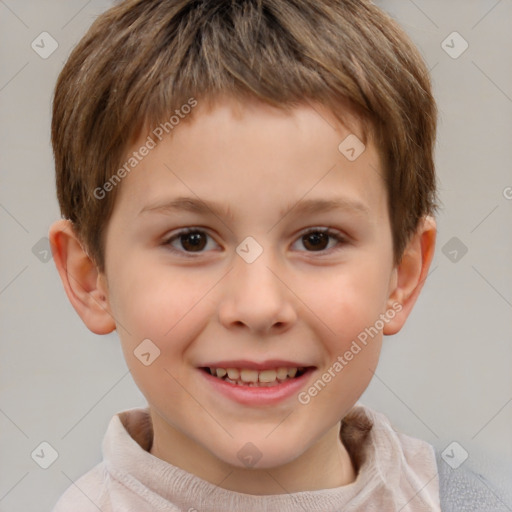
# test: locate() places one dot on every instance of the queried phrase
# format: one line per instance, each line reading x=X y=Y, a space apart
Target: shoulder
x=87 y=494
x=465 y=490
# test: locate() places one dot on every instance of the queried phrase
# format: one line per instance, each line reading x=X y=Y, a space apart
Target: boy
x=248 y=190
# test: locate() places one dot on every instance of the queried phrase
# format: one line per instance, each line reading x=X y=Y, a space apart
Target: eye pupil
x=317 y=239
x=195 y=240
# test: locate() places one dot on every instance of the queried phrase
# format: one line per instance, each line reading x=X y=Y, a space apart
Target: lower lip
x=253 y=395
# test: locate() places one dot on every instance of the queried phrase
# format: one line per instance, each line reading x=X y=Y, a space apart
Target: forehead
x=241 y=154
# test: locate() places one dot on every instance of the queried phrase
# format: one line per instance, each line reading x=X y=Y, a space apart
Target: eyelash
x=342 y=240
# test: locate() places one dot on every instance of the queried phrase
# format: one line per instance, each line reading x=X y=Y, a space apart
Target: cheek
x=351 y=301
x=158 y=303
x=351 y=305
x=163 y=306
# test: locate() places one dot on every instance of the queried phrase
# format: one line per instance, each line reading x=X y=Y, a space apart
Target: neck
x=324 y=465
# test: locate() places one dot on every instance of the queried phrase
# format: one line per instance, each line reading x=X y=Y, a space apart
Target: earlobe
x=410 y=274
x=85 y=287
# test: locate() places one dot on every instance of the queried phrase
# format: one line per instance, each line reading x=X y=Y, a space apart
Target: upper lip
x=253 y=365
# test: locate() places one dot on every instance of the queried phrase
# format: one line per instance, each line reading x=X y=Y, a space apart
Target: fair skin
x=297 y=301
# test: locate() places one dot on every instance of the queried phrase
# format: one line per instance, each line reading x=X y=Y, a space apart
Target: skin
x=292 y=302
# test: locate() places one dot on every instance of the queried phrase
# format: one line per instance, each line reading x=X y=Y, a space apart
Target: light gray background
x=446 y=377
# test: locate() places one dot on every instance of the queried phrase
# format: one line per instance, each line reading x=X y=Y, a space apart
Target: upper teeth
x=249 y=375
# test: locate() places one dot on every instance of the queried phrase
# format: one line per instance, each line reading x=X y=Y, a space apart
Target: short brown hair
x=143 y=59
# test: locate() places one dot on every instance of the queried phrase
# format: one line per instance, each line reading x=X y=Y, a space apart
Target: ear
x=410 y=274
x=85 y=287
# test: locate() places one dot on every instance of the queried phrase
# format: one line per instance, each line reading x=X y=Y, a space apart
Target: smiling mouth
x=256 y=378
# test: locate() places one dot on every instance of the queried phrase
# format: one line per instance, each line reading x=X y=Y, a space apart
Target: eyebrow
x=304 y=207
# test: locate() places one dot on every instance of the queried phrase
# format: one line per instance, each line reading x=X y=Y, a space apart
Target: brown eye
x=195 y=241
x=320 y=240
x=188 y=241
x=315 y=241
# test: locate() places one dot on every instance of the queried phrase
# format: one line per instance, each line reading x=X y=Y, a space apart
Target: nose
x=256 y=297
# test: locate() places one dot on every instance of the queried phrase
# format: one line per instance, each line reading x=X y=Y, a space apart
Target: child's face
x=302 y=302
